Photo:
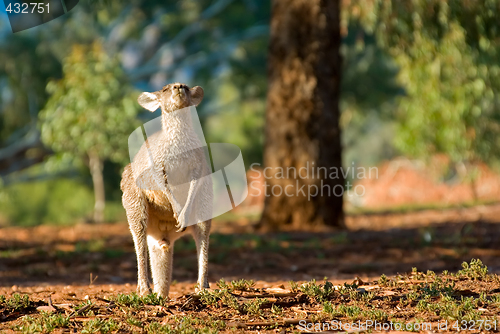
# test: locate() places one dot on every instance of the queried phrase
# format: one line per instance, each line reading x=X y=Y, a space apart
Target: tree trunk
x=302 y=119
x=96 y=166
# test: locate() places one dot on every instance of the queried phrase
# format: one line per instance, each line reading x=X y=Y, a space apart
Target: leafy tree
x=448 y=54
x=25 y=68
x=368 y=94
x=193 y=41
x=90 y=113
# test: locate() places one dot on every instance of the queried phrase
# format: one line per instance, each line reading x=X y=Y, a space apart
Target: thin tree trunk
x=96 y=167
x=302 y=119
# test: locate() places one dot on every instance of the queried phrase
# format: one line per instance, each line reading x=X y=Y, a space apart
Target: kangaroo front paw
x=180 y=227
x=181 y=221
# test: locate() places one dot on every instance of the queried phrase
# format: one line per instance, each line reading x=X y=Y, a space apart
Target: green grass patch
x=45 y=323
x=133 y=300
x=17 y=302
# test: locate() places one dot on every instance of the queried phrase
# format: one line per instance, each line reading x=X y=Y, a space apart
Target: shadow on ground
x=104 y=254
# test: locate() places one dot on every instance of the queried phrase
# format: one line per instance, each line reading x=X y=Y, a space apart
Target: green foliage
x=475 y=270
x=319 y=292
x=368 y=94
x=153 y=299
x=102 y=326
x=47 y=323
x=254 y=306
x=437 y=297
x=382 y=281
x=354 y=312
x=193 y=41
x=222 y=296
x=187 y=325
x=276 y=309
x=377 y=315
x=447 y=54
x=437 y=287
x=135 y=322
x=347 y=288
x=16 y=303
x=425 y=73
x=92 y=109
x=350 y=311
x=450 y=309
x=133 y=300
x=46 y=198
x=242 y=285
x=238 y=120
x=440 y=112
x=82 y=305
x=24 y=70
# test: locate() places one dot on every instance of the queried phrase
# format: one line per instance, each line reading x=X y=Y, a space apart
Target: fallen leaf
x=276 y=290
x=47 y=308
x=387 y=293
x=68 y=307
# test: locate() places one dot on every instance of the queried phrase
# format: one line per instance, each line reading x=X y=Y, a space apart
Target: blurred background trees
x=90 y=114
x=217 y=44
x=418 y=78
x=447 y=55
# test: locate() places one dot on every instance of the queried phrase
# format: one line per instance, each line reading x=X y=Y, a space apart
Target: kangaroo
x=156 y=215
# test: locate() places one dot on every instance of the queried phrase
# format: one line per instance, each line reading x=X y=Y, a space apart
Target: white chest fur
x=170 y=161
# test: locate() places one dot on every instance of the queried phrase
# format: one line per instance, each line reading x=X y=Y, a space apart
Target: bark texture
x=302 y=119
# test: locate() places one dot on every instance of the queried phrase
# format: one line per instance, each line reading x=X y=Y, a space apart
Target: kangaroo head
x=171 y=97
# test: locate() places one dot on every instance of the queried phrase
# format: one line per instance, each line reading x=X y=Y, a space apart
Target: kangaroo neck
x=177 y=122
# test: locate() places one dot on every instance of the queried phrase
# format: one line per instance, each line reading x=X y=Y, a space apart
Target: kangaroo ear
x=149 y=101
x=196 y=95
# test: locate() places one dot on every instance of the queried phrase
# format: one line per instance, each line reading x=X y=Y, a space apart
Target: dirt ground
x=69 y=266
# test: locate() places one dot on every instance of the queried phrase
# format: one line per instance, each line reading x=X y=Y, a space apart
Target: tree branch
x=13 y=158
x=201 y=59
x=183 y=35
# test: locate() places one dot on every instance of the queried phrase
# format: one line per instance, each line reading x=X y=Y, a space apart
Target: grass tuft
x=474 y=270
x=318 y=292
x=16 y=303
